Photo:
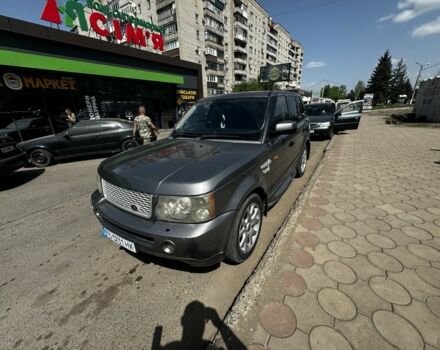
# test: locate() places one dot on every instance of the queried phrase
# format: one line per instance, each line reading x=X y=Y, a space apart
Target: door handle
x=291 y=143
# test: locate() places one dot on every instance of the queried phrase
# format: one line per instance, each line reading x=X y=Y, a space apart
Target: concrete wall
x=428 y=100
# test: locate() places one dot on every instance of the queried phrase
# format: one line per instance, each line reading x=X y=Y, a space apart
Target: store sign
x=186 y=96
x=105 y=22
x=16 y=82
x=92 y=107
x=275 y=73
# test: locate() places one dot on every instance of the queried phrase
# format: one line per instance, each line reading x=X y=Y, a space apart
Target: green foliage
x=380 y=81
x=400 y=84
x=358 y=92
x=253 y=85
x=335 y=92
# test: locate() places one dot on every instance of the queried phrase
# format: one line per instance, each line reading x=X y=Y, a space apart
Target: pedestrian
x=143 y=124
x=70 y=117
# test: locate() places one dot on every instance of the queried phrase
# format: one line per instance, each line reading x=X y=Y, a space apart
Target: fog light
x=168 y=247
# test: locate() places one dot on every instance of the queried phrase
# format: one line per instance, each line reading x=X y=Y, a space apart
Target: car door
x=349 y=117
x=110 y=135
x=83 y=138
x=302 y=127
x=280 y=145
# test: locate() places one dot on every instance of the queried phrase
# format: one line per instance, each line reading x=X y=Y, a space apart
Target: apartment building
x=231 y=39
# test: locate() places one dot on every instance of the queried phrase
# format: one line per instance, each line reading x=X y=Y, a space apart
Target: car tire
x=302 y=166
x=129 y=144
x=40 y=158
x=245 y=230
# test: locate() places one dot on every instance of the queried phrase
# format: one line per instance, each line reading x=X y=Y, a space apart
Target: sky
x=342 y=39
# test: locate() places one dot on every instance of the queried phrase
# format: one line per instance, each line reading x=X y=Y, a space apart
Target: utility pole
x=422 y=67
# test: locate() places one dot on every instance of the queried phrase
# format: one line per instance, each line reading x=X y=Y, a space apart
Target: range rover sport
x=200 y=195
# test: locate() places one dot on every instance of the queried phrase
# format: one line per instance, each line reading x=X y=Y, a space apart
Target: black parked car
x=11 y=158
x=325 y=120
x=322 y=118
x=85 y=138
x=200 y=195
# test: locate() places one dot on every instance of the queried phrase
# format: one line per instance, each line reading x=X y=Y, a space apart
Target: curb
x=245 y=299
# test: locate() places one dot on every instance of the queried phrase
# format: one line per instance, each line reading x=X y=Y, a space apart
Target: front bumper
x=10 y=164
x=195 y=244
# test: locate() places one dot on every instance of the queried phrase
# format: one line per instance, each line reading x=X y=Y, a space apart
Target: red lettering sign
x=96 y=18
x=135 y=36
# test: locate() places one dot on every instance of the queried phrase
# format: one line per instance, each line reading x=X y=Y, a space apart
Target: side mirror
x=66 y=134
x=285 y=127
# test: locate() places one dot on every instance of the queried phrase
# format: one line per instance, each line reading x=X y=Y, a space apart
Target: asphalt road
x=64 y=287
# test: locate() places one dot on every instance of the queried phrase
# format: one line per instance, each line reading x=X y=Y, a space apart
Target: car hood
x=320 y=118
x=179 y=166
x=40 y=141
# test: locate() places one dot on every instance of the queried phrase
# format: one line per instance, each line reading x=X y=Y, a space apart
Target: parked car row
x=326 y=119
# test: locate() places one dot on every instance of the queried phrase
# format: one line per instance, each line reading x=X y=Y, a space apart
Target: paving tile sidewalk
x=361 y=266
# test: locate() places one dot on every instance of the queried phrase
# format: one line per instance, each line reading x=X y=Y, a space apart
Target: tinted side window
x=292 y=107
x=300 y=105
x=281 y=111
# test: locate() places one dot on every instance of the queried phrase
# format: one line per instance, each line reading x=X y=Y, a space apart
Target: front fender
x=231 y=196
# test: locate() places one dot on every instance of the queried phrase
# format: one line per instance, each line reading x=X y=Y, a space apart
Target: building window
x=171 y=45
x=171 y=28
x=211 y=51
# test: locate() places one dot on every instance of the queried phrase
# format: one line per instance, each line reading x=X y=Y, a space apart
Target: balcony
x=273 y=45
x=241 y=11
x=240 y=71
x=214 y=72
x=163 y=3
x=240 y=49
x=241 y=24
x=240 y=60
x=240 y=37
x=216 y=14
x=168 y=19
x=217 y=30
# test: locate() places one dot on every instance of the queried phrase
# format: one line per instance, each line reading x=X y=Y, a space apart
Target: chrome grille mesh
x=137 y=203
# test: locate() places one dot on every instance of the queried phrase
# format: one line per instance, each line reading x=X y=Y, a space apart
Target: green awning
x=69 y=65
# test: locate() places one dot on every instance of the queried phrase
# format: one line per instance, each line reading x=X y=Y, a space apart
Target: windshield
x=241 y=118
x=319 y=109
x=20 y=124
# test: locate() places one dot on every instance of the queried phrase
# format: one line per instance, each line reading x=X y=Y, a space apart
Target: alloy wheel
x=249 y=228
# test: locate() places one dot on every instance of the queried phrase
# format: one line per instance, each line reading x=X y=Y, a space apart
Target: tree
x=335 y=92
x=399 y=82
x=380 y=81
x=253 y=85
x=359 y=91
x=408 y=89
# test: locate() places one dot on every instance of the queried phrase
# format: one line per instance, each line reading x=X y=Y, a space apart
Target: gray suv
x=200 y=195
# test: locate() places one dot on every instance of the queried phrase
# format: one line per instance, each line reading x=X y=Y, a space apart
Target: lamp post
x=422 y=67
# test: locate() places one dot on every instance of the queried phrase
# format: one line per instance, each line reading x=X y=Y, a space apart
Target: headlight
x=324 y=125
x=186 y=209
x=99 y=183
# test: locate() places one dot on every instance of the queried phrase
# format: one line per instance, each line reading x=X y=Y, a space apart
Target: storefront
x=43 y=71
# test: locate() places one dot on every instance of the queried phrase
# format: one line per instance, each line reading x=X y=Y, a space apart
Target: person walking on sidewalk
x=143 y=124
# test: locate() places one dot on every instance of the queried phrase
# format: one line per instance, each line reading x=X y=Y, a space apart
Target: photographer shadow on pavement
x=194 y=321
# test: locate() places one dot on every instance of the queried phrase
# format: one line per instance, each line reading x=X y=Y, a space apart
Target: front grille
x=137 y=203
x=314 y=125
